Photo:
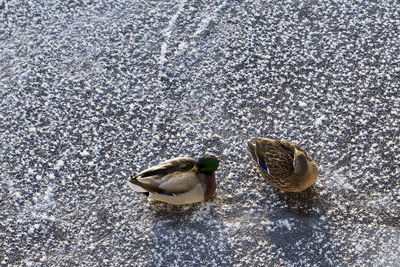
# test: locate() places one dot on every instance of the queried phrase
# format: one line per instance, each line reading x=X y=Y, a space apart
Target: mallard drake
x=178 y=181
x=285 y=165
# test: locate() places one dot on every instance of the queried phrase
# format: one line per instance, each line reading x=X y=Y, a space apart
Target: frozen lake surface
x=92 y=92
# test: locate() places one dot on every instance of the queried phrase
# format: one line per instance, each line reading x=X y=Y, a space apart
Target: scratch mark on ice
x=167 y=34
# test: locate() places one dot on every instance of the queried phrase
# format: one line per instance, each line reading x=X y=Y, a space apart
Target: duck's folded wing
x=276 y=157
x=278 y=166
x=181 y=164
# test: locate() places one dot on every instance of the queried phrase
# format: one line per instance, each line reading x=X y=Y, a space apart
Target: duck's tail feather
x=136 y=185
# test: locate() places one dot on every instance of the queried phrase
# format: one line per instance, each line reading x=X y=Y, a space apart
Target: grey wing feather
x=169 y=166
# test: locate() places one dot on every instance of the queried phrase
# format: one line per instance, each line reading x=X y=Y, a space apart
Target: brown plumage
x=284 y=164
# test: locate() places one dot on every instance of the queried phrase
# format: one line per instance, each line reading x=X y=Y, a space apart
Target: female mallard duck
x=178 y=181
x=285 y=165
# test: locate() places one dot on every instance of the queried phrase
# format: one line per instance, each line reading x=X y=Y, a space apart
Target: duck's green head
x=207 y=164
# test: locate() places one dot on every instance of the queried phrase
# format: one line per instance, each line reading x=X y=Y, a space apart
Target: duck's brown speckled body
x=284 y=164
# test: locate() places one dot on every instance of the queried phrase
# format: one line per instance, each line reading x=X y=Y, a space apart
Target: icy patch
x=163 y=52
x=341 y=181
x=203 y=25
x=59 y=164
x=172 y=22
x=182 y=47
x=302 y=104
x=338 y=179
x=85 y=153
x=284 y=223
x=42 y=205
x=205 y=22
x=319 y=121
x=232 y=226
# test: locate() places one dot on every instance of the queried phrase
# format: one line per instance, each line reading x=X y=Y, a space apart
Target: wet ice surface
x=94 y=92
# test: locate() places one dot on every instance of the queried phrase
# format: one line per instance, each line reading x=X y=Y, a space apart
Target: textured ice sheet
x=92 y=92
